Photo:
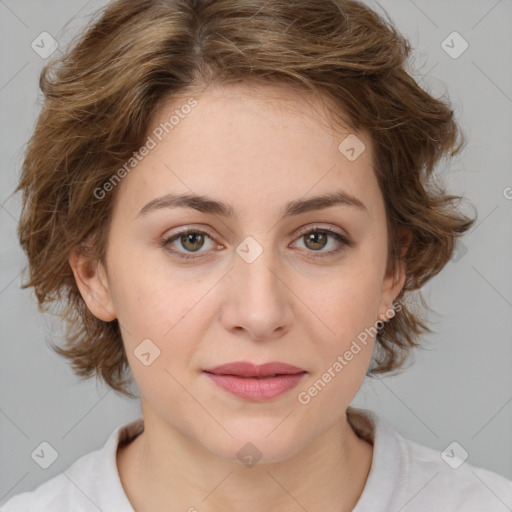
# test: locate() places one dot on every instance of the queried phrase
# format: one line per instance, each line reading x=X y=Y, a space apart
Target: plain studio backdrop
x=458 y=390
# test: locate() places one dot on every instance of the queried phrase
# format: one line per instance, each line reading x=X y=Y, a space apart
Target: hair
x=99 y=97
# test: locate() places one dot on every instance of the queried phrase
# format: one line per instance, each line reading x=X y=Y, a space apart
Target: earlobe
x=91 y=279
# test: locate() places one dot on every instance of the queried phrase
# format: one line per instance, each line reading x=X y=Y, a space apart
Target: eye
x=315 y=239
x=193 y=240
x=190 y=240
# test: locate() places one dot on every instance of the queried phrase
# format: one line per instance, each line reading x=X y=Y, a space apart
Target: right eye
x=190 y=240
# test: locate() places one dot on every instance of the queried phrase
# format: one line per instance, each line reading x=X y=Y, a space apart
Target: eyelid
x=321 y=227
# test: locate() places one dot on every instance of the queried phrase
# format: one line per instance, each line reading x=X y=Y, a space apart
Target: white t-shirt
x=404 y=476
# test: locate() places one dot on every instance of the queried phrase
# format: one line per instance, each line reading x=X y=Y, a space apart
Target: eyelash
x=344 y=242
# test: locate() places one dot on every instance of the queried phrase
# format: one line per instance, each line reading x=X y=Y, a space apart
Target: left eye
x=192 y=241
x=317 y=239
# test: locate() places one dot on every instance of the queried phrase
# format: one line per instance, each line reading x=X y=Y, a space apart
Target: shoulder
x=60 y=493
x=90 y=484
x=447 y=479
x=408 y=476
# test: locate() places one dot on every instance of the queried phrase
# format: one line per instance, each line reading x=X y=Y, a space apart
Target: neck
x=328 y=475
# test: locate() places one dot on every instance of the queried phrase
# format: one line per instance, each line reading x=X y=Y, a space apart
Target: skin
x=255 y=149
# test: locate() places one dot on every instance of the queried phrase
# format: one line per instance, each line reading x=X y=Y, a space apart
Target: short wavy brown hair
x=101 y=93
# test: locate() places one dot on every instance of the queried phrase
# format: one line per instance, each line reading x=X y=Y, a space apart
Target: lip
x=246 y=369
x=257 y=383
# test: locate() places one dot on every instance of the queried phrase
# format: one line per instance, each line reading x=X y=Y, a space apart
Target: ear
x=91 y=279
x=394 y=282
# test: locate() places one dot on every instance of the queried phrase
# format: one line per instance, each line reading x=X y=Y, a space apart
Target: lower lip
x=257 y=390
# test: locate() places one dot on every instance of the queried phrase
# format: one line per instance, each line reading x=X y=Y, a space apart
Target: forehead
x=263 y=107
x=244 y=142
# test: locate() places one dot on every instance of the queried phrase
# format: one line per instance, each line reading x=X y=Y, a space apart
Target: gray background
x=459 y=388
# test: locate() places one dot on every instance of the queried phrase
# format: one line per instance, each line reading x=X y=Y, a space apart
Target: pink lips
x=256 y=383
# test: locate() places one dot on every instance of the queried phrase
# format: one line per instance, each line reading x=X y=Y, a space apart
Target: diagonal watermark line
x=380 y=380
x=491 y=490
x=9 y=213
x=493 y=287
x=486 y=14
x=11 y=489
x=14 y=424
x=334 y=334
x=485 y=218
x=198 y=302
x=199 y=403
x=492 y=81
x=57 y=35
x=86 y=414
x=279 y=424
x=501 y=408
x=287 y=492
x=427 y=73
x=424 y=13
x=431 y=69
x=165 y=165
x=85 y=494
x=122 y=327
x=414 y=497
x=216 y=487
x=10 y=282
x=14 y=14
x=13 y=77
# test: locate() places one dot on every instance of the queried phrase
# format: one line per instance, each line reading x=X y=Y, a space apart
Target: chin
x=256 y=444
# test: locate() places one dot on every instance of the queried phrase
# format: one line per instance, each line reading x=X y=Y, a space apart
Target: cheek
x=348 y=301
x=161 y=336
x=349 y=311
x=148 y=299
x=171 y=309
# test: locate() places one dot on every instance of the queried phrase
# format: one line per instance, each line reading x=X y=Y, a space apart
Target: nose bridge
x=261 y=301
x=255 y=267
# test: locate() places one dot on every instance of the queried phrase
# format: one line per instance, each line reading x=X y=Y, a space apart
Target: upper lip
x=245 y=369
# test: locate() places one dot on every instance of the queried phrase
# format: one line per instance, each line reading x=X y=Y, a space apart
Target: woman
x=234 y=199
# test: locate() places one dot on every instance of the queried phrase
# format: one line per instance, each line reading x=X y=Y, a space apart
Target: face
x=267 y=276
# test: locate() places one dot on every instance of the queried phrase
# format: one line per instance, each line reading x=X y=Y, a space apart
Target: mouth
x=256 y=383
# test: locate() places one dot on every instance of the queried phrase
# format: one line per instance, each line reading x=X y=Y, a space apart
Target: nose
x=258 y=300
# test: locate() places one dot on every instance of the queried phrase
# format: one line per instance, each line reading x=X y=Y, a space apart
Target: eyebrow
x=207 y=204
